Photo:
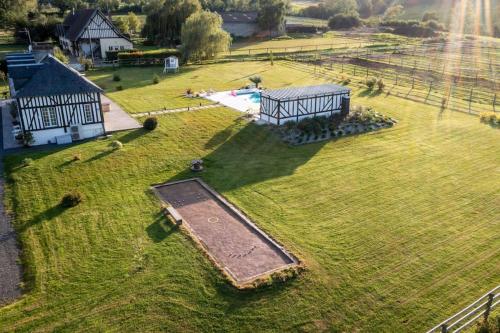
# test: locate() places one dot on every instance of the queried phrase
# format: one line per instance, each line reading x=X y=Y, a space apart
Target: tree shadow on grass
x=102 y=154
x=132 y=135
x=253 y=154
x=160 y=229
x=46 y=215
x=370 y=93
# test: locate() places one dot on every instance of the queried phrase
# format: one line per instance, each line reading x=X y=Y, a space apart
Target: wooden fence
x=466 y=317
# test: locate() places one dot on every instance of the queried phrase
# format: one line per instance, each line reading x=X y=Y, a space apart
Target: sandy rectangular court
x=229 y=237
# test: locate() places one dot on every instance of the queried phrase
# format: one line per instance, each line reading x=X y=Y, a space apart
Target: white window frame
x=49 y=116
x=87 y=113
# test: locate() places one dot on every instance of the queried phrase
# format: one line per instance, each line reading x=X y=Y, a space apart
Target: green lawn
x=141 y=95
x=398 y=228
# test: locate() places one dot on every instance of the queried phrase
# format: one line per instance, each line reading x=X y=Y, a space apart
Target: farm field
x=398 y=228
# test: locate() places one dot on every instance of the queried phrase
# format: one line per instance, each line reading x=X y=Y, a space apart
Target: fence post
x=488 y=306
x=444 y=328
x=470 y=98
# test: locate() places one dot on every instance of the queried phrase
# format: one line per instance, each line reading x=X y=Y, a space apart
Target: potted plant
x=27 y=139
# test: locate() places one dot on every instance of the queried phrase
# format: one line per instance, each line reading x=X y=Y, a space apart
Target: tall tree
x=203 y=36
x=133 y=22
x=11 y=10
x=65 y=5
x=272 y=15
x=365 y=8
x=164 y=25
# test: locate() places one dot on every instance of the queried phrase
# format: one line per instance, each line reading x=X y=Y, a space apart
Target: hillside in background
x=415 y=9
x=468 y=16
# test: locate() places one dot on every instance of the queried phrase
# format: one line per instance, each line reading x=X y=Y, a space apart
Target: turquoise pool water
x=255 y=97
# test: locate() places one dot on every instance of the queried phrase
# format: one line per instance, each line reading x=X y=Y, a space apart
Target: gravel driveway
x=10 y=270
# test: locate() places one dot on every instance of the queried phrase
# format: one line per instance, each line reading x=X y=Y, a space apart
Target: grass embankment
x=398 y=228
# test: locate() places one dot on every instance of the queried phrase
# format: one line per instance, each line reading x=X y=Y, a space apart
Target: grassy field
x=398 y=228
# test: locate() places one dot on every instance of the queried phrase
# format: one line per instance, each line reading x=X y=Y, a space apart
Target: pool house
x=295 y=103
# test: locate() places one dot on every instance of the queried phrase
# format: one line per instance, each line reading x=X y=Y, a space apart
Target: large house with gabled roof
x=89 y=33
x=55 y=103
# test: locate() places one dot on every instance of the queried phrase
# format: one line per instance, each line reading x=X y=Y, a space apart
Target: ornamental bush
x=150 y=123
x=116 y=77
x=71 y=199
x=116 y=145
x=156 y=79
x=370 y=82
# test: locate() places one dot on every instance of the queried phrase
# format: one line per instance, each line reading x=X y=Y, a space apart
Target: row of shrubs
x=373 y=81
x=154 y=54
x=490 y=118
x=414 y=28
x=315 y=125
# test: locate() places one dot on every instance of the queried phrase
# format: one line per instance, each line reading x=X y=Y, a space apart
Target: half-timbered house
x=54 y=102
x=296 y=103
x=89 y=33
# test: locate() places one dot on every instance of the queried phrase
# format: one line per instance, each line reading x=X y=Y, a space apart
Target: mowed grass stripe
x=392 y=225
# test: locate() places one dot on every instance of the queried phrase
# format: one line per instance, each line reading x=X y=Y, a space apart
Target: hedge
x=155 y=54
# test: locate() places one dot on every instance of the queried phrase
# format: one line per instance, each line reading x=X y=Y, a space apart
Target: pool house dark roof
x=239 y=17
x=47 y=78
x=304 y=92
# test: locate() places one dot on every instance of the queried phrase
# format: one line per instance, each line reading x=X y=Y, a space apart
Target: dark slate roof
x=73 y=24
x=49 y=77
x=20 y=74
x=310 y=91
x=239 y=17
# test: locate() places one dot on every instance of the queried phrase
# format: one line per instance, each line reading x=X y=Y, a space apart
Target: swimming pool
x=255 y=97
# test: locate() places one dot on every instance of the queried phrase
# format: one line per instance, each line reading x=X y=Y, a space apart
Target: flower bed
x=308 y=130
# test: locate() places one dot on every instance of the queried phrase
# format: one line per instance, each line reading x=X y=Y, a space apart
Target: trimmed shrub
x=150 y=123
x=290 y=125
x=380 y=84
x=156 y=79
x=27 y=161
x=116 y=145
x=489 y=117
x=119 y=88
x=370 y=82
x=71 y=199
x=116 y=77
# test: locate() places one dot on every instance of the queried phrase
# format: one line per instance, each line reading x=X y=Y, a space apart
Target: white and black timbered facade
x=55 y=103
x=293 y=104
x=89 y=33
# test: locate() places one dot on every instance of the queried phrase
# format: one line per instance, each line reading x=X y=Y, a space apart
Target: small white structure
x=171 y=64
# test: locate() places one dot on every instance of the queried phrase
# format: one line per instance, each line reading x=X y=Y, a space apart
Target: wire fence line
x=463 y=319
x=471 y=89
